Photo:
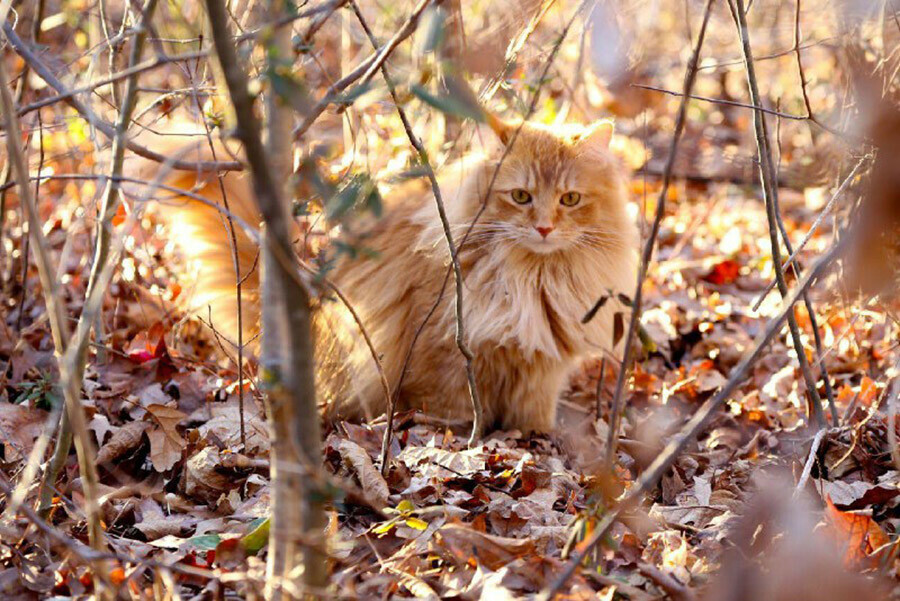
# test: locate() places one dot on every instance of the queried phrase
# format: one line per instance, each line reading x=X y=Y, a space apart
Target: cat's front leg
x=532 y=406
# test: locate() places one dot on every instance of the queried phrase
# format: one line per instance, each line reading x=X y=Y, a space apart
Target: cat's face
x=557 y=189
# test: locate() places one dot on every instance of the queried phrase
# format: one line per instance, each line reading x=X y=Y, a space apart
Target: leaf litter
x=181 y=487
x=495 y=520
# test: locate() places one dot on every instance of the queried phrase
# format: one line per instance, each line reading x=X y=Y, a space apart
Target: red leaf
x=121 y=215
x=724 y=272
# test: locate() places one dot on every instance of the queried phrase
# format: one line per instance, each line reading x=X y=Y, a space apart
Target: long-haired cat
x=552 y=236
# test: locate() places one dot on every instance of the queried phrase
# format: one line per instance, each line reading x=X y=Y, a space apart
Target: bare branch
x=56 y=313
x=770 y=196
x=810 y=461
x=461 y=342
x=722 y=101
x=814 y=227
x=364 y=71
x=104 y=127
x=647 y=255
x=293 y=413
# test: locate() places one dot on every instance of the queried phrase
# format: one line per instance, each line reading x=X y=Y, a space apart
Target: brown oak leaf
x=166 y=443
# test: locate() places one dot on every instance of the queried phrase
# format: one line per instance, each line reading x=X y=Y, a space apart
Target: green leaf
x=258 y=537
x=433 y=23
x=452 y=105
x=205 y=542
x=359 y=190
x=414 y=172
x=355 y=93
x=309 y=172
x=290 y=89
x=647 y=342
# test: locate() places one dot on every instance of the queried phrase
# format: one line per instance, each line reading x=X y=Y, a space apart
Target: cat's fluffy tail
x=208 y=216
x=195 y=206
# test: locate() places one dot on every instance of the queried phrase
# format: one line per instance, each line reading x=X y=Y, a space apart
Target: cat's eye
x=570 y=199
x=521 y=196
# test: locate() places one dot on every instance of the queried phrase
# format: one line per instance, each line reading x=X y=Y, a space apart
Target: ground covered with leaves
x=181 y=486
x=764 y=505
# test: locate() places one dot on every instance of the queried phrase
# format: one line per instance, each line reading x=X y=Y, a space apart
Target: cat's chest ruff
x=533 y=310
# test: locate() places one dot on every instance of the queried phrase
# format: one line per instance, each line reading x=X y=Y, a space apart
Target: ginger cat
x=553 y=237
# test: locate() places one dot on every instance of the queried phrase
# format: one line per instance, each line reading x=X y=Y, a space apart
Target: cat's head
x=557 y=188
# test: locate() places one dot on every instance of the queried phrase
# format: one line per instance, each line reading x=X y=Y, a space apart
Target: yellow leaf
x=384 y=528
x=416 y=523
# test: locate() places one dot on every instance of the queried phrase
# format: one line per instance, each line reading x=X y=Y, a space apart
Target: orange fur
x=524 y=295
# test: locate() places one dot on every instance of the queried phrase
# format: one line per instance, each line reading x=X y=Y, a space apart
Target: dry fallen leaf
x=857 y=534
x=372 y=482
x=154 y=523
x=492 y=551
x=432 y=460
x=225 y=425
x=125 y=439
x=857 y=495
x=166 y=443
x=19 y=426
x=202 y=480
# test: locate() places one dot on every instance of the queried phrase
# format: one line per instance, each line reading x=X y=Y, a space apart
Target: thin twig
x=809 y=111
x=126 y=73
x=36 y=455
x=86 y=554
x=765 y=57
x=461 y=342
x=803 y=81
x=21 y=88
x=55 y=310
x=810 y=310
x=532 y=106
x=813 y=320
x=239 y=280
x=101 y=249
x=390 y=405
x=810 y=461
x=812 y=230
x=673 y=589
x=110 y=201
x=694 y=426
x=364 y=71
x=26 y=244
x=770 y=192
x=514 y=48
x=379 y=366
x=104 y=127
x=721 y=101
x=163 y=60
x=647 y=255
x=838 y=133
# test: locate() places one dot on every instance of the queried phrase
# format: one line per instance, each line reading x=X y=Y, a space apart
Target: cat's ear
x=598 y=133
x=503 y=129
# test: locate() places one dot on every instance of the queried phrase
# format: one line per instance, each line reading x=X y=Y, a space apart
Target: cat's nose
x=543 y=231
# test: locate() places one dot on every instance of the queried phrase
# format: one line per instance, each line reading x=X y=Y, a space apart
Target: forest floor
x=765 y=504
x=182 y=487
